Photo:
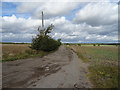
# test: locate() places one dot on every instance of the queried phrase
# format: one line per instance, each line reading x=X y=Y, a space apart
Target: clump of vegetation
x=94 y=44
x=79 y=44
x=43 y=41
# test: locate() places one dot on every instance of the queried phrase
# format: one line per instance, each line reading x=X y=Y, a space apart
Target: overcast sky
x=75 y=22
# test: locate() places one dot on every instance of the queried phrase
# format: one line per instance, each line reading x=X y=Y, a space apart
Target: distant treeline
x=91 y=44
x=13 y=43
x=68 y=43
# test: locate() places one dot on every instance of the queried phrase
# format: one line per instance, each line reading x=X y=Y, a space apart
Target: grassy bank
x=12 y=52
x=103 y=64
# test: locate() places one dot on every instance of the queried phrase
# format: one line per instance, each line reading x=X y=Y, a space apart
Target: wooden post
x=42 y=20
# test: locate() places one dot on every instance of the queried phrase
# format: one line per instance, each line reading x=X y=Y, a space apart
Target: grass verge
x=26 y=54
x=103 y=64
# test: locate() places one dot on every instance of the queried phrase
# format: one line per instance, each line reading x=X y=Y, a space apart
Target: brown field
x=18 y=51
x=13 y=49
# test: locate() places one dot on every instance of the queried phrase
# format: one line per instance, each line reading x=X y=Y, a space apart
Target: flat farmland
x=18 y=51
x=103 y=64
x=14 y=48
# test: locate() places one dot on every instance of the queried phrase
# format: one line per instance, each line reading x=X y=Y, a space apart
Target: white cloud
x=60 y=0
x=28 y=6
x=98 y=14
x=20 y=29
x=19 y=25
x=50 y=8
x=96 y=22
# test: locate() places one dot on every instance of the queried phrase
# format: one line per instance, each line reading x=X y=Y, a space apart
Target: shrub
x=79 y=44
x=98 y=44
x=67 y=44
x=94 y=45
x=43 y=41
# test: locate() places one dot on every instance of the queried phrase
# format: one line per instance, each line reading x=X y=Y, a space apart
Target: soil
x=61 y=69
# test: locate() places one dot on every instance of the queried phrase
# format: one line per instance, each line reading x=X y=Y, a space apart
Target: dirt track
x=61 y=69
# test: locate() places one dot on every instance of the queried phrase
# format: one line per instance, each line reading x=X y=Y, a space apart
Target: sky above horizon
x=75 y=22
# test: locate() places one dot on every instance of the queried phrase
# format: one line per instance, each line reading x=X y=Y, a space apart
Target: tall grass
x=103 y=64
x=12 y=52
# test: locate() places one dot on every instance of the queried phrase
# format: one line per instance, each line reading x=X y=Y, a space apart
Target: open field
x=103 y=64
x=93 y=44
x=18 y=51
